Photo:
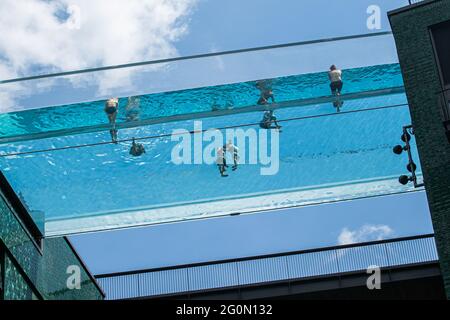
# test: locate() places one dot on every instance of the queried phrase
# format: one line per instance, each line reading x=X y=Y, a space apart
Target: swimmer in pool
x=266 y=92
x=137 y=149
x=221 y=162
x=133 y=109
x=336 y=84
x=231 y=148
x=111 y=109
x=268 y=120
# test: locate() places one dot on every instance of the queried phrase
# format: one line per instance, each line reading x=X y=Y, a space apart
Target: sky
x=60 y=35
x=42 y=40
x=255 y=234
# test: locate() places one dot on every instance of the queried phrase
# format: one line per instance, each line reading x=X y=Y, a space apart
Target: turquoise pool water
x=192 y=103
x=336 y=156
x=324 y=155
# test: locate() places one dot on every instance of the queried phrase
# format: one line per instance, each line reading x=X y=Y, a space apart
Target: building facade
x=422 y=35
x=34 y=268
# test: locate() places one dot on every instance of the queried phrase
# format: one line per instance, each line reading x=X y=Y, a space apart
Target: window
x=441 y=40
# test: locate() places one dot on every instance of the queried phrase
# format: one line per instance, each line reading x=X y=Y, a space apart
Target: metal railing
x=271 y=268
x=191 y=57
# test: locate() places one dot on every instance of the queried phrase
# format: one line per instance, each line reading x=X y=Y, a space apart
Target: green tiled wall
x=46 y=268
x=15 y=286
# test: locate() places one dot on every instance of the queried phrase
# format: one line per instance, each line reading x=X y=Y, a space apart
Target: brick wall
x=422 y=82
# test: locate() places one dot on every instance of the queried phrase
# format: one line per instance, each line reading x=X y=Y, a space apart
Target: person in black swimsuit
x=111 y=109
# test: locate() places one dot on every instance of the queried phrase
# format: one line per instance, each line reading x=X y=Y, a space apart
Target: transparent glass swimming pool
x=61 y=161
x=325 y=157
x=194 y=103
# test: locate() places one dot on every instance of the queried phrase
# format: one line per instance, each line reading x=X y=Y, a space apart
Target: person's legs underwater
x=235 y=160
x=113 y=133
x=111 y=112
x=275 y=122
x=337 y=104
x=336 y=89
x=264 y=125
x=221 y=162
x=222 y=169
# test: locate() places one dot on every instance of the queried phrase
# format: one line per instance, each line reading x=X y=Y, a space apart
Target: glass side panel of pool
x=189 y=104
x=324 y=156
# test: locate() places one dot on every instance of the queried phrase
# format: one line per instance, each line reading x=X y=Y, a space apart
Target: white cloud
x=52 y=36
x=364 y=234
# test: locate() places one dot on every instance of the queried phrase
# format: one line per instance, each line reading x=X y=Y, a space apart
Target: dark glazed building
x=34 y=268
x=422 y=35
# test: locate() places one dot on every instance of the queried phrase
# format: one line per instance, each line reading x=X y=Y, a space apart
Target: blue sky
x=256 y=234
x=185 y=27
x=216 y=26
x=236 y=24
x=191 y=26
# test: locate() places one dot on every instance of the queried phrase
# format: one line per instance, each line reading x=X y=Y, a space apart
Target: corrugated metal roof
x=164 y=282
x=262 y=270
x=121 y=287
x=213 y=276
x=259 y=270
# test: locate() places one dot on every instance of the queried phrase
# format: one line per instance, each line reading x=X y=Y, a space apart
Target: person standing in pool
x=269 y=119
x=221 y=162
x=266 y=92
x=336 y=85
x=111 y=109
x=231 y=148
